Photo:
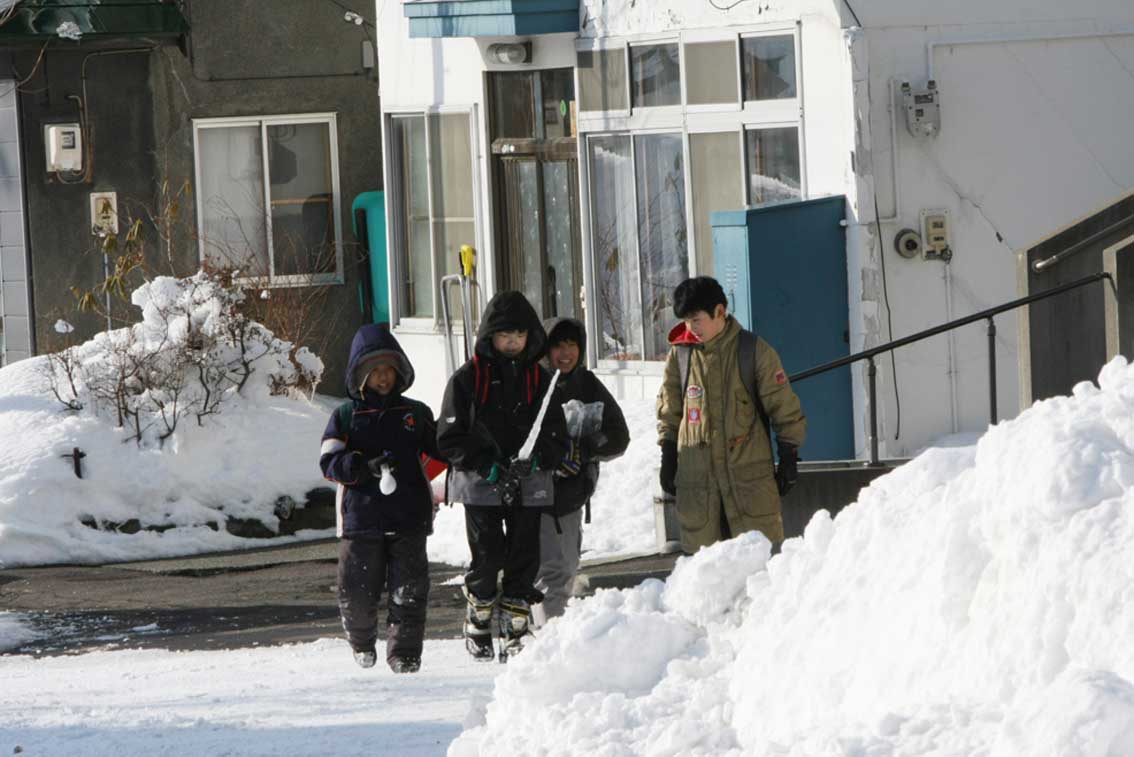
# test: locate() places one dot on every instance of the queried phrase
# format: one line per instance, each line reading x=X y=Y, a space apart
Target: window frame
x=694 y=38
x=687 y=120
x=778 y=109
x=656 y=41
x=596 y=326
x=262 y=123
x=395 y=228
x=596 y=46
x=747 y=127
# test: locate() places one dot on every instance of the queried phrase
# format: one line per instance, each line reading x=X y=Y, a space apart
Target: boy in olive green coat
x=715 y=438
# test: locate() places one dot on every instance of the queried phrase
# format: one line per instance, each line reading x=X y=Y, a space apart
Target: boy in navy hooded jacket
x=384 y=510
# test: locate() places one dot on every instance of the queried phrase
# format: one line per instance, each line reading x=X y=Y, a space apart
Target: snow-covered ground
x=308 y=699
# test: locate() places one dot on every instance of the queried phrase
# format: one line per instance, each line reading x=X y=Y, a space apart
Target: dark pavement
x=274 y=595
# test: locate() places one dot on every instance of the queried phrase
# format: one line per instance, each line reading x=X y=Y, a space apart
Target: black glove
x=375 y=464
x=668 y=474
x=787 y=472
x=509 y=483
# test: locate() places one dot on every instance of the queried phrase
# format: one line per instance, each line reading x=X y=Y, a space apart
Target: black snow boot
x=478 y=627
x=405 y=664
x=515 y=624
x=365 y=657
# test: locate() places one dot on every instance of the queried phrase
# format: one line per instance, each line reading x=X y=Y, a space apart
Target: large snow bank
x=246 y=451
x=978 y=600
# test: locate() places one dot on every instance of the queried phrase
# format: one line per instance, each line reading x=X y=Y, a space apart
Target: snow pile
x=622 y=508
x=182 y=420
x=976 y=601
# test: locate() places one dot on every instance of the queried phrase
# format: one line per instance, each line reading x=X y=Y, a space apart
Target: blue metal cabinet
x=368 y=213
x=784 y=269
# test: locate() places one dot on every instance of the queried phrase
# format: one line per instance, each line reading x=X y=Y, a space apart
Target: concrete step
x=828 y=485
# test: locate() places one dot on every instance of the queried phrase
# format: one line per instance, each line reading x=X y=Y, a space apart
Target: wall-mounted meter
x=64 y=146
x=935 y=235
x=923 y=109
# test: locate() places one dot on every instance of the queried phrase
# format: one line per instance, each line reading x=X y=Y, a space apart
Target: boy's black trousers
x=396 y=562
x=503 y=538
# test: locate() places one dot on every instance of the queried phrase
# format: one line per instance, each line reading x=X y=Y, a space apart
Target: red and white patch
x=409 y=423
x=693 y=417
x=781 y=377
x=694 y=392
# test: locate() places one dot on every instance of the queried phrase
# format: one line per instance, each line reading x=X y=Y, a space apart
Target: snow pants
x=398 y=564
x=503 y=538
x=559 y=560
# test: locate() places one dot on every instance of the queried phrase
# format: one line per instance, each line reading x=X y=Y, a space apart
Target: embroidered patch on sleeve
x=693 y=417
x=781 y=378
x=694 y=392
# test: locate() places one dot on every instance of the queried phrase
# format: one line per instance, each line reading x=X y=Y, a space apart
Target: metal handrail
x=988 y=315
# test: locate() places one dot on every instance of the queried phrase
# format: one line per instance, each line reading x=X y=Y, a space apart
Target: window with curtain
x=431 y=203
x=268 y=198
x=715 y=167
x=640 y=240
x=602 y=79
x=711 y=73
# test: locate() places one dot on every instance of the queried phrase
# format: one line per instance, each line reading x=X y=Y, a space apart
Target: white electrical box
x=104 y=213
x=64 y=145
x=923 y=109
x=935 y=235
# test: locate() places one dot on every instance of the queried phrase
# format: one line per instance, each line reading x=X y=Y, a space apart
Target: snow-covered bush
x=193 y=350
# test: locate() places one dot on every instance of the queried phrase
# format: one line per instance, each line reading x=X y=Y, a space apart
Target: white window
x=268 y=198
x=640 y=240
x=675 y=131
x=431 y=203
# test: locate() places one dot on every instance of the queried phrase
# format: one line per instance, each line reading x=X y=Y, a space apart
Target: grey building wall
x=242 y=58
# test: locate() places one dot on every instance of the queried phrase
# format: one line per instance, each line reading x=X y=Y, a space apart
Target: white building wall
x=1033 y=139
x=15 y=321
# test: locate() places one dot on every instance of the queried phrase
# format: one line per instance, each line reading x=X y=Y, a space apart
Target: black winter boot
x=515 y=620
x=478 y=627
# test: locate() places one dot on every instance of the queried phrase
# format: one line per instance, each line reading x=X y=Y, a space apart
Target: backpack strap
x=746 y=362
x=684 y=356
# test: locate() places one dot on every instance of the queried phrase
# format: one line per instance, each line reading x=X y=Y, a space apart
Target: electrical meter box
x=64 y=145
x=783 y=268
x=923 y=109
x=935 y=233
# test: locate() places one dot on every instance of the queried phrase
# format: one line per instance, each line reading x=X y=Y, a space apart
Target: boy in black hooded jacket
x=490 y=406
x=599 y=429
x=384 y=510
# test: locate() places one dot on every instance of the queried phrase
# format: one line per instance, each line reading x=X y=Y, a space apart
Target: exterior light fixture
x=511 y=52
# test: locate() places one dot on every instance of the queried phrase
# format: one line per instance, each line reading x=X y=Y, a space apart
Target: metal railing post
x=872 y=371
x=991 y=371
